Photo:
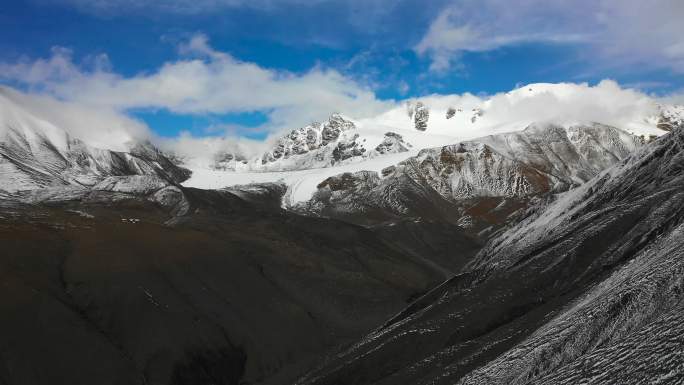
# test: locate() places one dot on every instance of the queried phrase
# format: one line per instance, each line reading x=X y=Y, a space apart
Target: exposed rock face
x=317 y=141
x=477 y=112
x=587 y=289
x=323 y=145
x=332 y=129
x=421 y=116
x=507 y=168
x=450 y=112
x=167 y=162
x=229 y=161
x=299 y=141
x=391 y=144
x=670 y=117
x=347 y=149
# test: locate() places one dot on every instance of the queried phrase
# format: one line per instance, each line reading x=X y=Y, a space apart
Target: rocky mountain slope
x=318 y=145
x=35 y=153
x=587 y=289
x=470 y=181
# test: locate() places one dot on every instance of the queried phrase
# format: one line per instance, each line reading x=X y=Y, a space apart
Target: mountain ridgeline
x=37 y=154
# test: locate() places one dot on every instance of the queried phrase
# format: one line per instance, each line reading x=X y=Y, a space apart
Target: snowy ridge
x=348 y=145
x=538 y=160
x=336 y=141
x=36 y=154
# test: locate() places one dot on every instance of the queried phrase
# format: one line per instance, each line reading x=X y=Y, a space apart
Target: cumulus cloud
x=620 y=32
x=201 y=81
x=606 y=102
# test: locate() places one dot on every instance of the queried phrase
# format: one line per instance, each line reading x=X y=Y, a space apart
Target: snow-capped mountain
x=586 y=289
x=519 y=165
x=305 y=157
x=336 y=141
x=35 y=153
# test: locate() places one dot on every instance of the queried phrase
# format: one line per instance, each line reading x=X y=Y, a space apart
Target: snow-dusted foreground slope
x=586 y=290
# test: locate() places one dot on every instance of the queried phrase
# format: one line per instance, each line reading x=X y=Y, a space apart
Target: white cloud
x=606 y=102
x=613 y=32
x=97 y=126
x=202 y=81
x=676 y=97
x=92 y=103
x=200 y=151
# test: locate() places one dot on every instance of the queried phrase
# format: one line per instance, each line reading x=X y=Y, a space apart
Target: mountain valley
x=442 y=242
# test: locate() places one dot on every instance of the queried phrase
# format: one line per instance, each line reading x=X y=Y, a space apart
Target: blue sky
x=366 y=52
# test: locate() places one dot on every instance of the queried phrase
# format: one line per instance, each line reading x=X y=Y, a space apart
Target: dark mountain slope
x=132 y=282
x=586 y=290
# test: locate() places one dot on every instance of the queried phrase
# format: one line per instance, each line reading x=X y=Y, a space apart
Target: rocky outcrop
x=307 y=139
x=228 y=161
x=670 y=117
x=421 y=116
x=332 y=129
x=477 y=112
x=334 y=142
x=392 y=143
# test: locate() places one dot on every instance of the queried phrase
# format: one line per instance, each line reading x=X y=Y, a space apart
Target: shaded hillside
x=136 y=283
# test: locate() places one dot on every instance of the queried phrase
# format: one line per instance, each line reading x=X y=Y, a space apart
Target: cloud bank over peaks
x=605 y=102
x=99 y=127
x=201 y=81
x=96 y=104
